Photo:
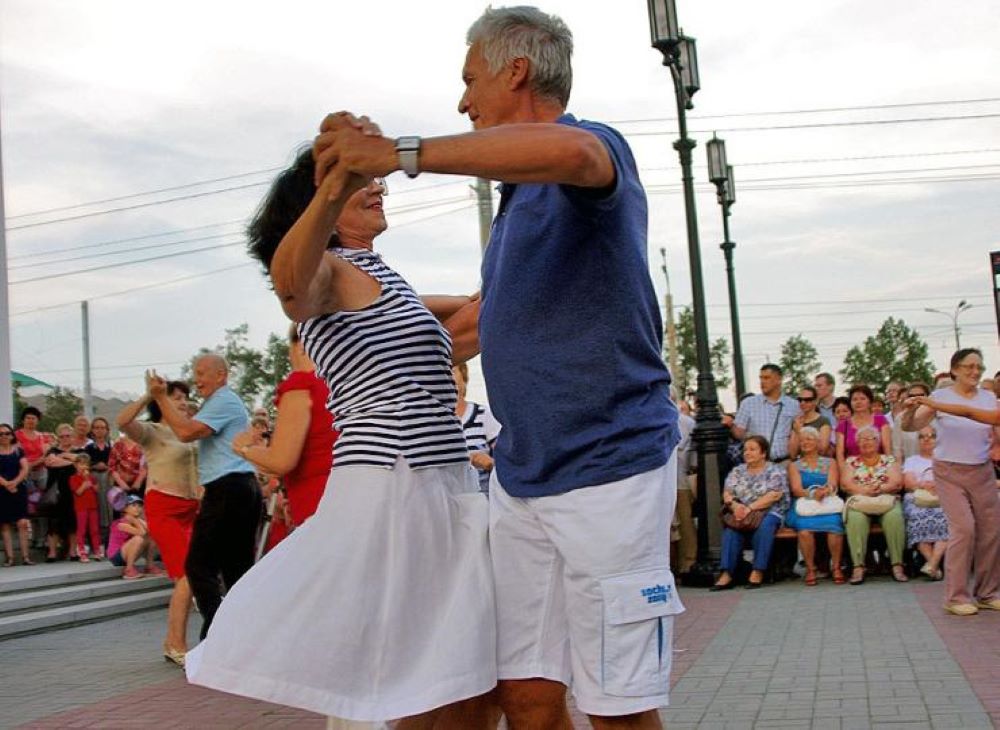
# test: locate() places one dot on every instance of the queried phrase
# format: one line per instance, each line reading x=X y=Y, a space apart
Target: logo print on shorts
x=656 y=594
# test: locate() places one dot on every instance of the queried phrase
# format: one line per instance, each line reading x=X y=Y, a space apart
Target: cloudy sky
x=865 y=139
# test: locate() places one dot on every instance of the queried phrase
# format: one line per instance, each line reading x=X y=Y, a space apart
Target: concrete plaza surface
x=881 y=655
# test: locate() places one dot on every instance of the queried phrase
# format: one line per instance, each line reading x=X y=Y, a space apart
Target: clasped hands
x=156 y=385
x=349 y=151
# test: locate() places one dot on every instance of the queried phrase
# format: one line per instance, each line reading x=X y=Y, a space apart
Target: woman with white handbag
x=813 y=480
x=926 y=524
x=873 y=481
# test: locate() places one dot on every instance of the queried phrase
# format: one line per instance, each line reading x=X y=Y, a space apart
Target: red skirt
x=170 y=521
x=304 y=496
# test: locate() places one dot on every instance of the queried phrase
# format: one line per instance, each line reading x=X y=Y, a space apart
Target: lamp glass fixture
x=689 y=65
x=730 y=185
x=663 y=28
x=716 y=149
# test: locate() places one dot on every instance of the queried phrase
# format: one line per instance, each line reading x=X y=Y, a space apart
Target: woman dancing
x=381 y=605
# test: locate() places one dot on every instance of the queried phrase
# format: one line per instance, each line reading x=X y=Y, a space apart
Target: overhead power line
x=460 y=181
x=145 y=287
x=92 y=256
x=820 y=110
x=143 y=194
x=101 y=244
x=821 y=125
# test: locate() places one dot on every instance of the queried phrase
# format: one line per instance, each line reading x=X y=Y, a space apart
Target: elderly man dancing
x=582 y=492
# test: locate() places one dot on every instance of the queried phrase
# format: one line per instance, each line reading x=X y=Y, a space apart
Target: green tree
x=62 y=405
x=253 y=374
x=799 y=361
x=18 y=405
x=687 y=356
x=895 y=352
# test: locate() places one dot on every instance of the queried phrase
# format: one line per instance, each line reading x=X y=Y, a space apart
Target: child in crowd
x=84 y=488
x=129 y=539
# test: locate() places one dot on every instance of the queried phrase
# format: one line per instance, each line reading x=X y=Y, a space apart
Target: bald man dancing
x=222 y=543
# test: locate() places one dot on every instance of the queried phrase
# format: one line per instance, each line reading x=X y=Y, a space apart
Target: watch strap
x=408 y=153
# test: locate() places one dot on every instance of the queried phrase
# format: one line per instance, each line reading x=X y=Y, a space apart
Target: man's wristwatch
x=408 y=152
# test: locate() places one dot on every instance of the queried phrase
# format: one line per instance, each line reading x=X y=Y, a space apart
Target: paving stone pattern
x=880 y=655
x=838 y=657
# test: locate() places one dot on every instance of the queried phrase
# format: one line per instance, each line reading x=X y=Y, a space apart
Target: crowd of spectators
x=832 y=467
x=828 y=467
x=63 y=491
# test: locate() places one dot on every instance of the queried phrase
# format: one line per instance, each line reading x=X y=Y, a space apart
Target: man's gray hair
x=526 y=32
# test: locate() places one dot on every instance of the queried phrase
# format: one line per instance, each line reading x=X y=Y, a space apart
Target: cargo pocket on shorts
x=636 y=649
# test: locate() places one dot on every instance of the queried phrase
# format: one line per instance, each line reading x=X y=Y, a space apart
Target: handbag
x=925 y=498
x=871 y=505
x=50 y=497
x=748 y=524
x=831 y=505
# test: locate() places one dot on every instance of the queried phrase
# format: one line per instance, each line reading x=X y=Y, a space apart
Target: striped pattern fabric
x=388 y=367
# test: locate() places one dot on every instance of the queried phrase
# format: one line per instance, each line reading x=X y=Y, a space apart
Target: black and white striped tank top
x=388 y=367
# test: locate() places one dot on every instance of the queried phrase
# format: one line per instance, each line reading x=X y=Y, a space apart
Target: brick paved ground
x=877 y=656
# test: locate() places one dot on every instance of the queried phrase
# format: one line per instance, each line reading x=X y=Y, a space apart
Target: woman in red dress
x=301 y=447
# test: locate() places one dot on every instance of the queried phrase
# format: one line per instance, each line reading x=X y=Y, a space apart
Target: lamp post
x=710 y=436
x=721 y=175
x=963 y=306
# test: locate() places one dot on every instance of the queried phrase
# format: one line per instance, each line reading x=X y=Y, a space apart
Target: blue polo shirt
x=225 y=414
x=571 y=336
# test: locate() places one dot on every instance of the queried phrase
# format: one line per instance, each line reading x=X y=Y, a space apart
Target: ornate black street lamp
x=721 y=175
x=710 y=436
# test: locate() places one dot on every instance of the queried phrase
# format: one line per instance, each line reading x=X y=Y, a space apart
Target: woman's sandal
x=9 y=563
x=899 y=574
x=27 y=561
x=857 y=577
x=838 y=577
x=811 y=577
x=172 y=655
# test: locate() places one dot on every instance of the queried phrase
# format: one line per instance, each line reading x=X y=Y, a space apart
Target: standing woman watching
x=34 y=444
x=862 y=416
x=13 y=495
x=966 y=483
x=171 y=502
x=81 y=433
x=301 y=445
x=99 y=451
x=809 y=417
x=60 y=461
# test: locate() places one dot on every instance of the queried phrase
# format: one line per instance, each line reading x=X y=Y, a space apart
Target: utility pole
x=671 y=327
x=88 y=401
x=6 y=388
x=485 y=196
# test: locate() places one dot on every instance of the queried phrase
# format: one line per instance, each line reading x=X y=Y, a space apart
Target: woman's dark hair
x=8 y=427
x=153 y=409
x=760 y=441
x=289 y=196
x=30 y=411
x=961 y=355
x=842 y=401
x=815 y=393
x=923 y=386
x=864 y=390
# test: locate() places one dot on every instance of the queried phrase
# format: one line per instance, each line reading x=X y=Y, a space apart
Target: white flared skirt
x=380 y=606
